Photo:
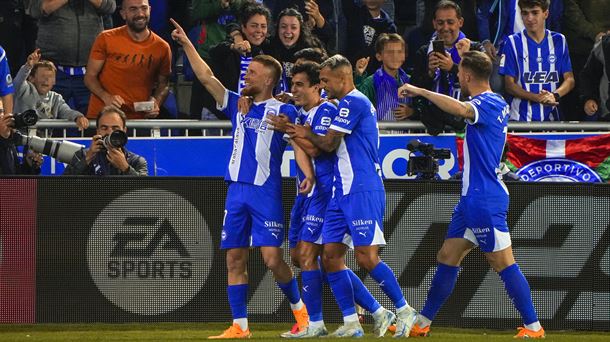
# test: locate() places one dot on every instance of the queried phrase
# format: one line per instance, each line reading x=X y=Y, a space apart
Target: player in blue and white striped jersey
x=536 y=66
x=253 y=209
x=357 y=206
x=479 y=219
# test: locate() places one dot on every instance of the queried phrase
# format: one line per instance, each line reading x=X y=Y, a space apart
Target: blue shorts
x=307 y=217
x=253 y=217
x=355 y=219
x=482 y=221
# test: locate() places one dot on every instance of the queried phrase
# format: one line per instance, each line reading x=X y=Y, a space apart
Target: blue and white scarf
x=244 y=62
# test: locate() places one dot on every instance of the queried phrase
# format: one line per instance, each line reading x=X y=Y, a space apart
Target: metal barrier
x=218 y=128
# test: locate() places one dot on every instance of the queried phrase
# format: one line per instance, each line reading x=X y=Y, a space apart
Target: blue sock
x=362 y=295
x=341 y=285
x=291 y=290
x=519 y=292
x=238 y=298
x=442 y=285
x=386 y=279
x=312 y=294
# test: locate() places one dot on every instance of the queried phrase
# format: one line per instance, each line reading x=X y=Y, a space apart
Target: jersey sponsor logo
x=558 y=170
x=325 y=121
x=342 y=120
x=155 y=256
x=541 y=77
x=273 y=224
x=344 y=112
x=313 y=218
x=362 y=222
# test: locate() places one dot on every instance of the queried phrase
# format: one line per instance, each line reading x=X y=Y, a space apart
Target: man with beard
x=253 y=209
x=126 y=63
x=479 y=219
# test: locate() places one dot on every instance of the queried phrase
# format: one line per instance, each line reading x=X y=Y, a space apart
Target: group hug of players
x=341 y=198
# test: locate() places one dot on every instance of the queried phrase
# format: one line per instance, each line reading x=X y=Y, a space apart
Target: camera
x=426 y=165
x=116 y=139
x=25 y=119
x=61 y=150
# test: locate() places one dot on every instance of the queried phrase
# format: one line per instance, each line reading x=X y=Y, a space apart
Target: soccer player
x=309 y=210
x=536 y=66
x=355 y=212
x=253 y=209
x=479 y=219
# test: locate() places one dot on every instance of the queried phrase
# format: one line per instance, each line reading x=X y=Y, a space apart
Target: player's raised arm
x=200 y=67
x=445 y=103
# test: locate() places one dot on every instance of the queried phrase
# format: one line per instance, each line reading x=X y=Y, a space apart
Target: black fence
x=146 y=249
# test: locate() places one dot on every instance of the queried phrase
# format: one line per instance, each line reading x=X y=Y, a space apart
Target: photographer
x=103 y=159
x=9 y=159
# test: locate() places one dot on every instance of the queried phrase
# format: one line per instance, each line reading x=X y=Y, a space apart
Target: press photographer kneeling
x=107 y=154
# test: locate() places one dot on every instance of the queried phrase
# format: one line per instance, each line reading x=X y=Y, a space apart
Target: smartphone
x=438 y=46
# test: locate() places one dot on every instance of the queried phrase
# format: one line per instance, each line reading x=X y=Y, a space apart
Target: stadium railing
x=170 y=128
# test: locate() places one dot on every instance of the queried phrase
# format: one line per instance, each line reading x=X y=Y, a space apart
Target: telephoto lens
x=25 y=119
x=116 y=139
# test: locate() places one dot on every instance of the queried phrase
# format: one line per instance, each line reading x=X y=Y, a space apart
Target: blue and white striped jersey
x=319 y=118
x=535 y=67
x=6 y=81
x=357 y=167
x=483 y=144
x=257 y=150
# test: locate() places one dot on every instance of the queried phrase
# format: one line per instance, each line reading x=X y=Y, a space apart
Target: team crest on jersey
x=552 y=58
x=558 y=170
x=502 y=60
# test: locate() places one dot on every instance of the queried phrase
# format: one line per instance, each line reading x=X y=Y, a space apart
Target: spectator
x=438 y=71
x=594 y=85
x=127 y=63
x=33 y=85
x=101 y=160
x=214 y=18
x=17 y=31
x=382 y=87
x=317 y=15
x=291 y=36
x=67 y=32
x=498 y=20
x=229 y=60
x=364 y=25
x=585 y=22
x=536 y=67
x=6 y=83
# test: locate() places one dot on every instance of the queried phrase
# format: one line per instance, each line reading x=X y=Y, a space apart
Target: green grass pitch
x=260 y=331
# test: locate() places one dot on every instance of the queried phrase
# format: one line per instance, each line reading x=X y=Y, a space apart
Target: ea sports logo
x=149 y=251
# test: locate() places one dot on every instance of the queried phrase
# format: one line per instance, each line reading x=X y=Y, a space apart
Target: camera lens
x=25 y=119
x=116 y=139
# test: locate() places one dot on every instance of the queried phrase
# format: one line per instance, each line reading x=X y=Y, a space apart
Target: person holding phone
x=436 y=66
